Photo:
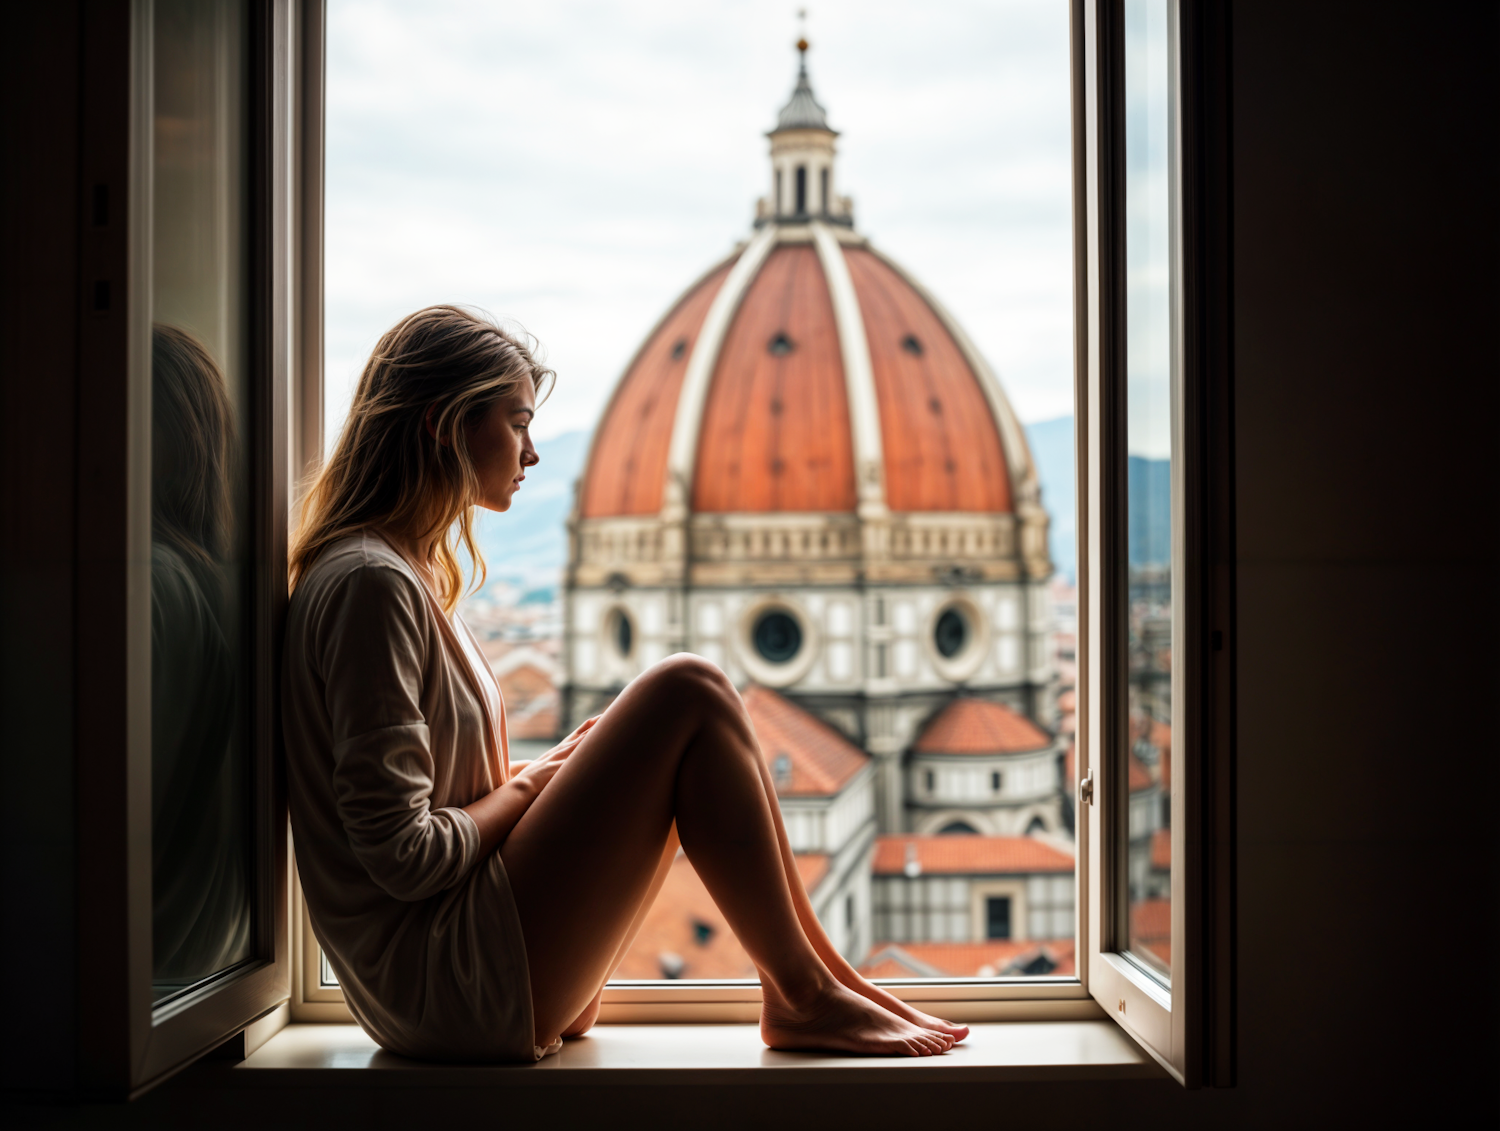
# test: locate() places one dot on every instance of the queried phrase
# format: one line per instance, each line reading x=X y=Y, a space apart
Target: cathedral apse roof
x=979 y=726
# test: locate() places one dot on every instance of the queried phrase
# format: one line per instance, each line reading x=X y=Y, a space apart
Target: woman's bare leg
x=813 y=928
x=676 y=743
x=585 y=1020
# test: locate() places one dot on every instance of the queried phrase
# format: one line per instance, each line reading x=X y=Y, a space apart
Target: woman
x=472 y=913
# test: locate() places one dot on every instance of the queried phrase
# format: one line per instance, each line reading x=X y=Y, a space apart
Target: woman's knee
x=692 y=680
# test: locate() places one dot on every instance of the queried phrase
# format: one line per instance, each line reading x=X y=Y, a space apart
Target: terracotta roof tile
x=685 y=923
x=822 y=761
x=987 y=959
x=885 y=966
x=968 y=855
x=978 y=726
x=1161 y=849
x=1151 y=927
x=1139 y=777
x=812 y=867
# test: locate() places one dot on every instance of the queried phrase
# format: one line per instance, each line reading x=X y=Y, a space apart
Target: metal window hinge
x=1086 y=789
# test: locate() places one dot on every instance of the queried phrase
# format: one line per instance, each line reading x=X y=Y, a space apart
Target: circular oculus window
x=777 y=636
x=958 y=639
x=951 y=633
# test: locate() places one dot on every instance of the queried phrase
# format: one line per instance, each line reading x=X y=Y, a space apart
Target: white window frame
x=1187 y=1028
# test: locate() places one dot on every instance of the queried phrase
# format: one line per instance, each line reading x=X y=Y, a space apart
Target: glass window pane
x=1150 y=374
x=200 y=569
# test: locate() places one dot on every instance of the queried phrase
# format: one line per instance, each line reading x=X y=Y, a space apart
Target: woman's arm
x=497 y=812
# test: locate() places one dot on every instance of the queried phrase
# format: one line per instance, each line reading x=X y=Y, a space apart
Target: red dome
x=775 y=433
x=942 y=450
x=774 y=430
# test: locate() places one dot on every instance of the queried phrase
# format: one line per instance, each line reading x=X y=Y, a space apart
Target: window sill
x=325 y=1055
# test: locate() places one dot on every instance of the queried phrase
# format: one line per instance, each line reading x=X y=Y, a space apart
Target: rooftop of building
x=807 y=757
x=966 y=854
x=991 y=958
x=979 y=726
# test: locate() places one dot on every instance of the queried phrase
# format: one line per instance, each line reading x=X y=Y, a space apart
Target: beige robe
x=388 y=734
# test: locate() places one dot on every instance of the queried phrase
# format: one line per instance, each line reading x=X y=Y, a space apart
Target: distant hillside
x=1051 y=444
x=1150 y=499
x=528 y=543
x=1148 y=495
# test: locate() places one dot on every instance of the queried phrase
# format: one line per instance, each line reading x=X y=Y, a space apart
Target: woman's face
x=500 y=446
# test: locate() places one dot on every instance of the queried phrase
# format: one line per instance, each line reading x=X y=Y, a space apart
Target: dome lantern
x=802 y=161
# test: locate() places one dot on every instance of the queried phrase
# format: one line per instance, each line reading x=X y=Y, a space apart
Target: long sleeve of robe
x=390 y=730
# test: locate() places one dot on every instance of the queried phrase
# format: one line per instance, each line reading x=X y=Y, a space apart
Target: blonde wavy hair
x=445 y=365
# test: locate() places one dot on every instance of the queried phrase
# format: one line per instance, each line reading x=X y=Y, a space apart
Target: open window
x=202 y=309
x=1147 y=891
x=1155 y=634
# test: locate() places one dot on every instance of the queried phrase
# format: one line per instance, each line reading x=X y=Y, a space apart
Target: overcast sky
x=573 y=166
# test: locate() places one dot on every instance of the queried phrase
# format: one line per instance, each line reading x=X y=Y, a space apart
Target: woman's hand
x=540 y=770
x=497 y=812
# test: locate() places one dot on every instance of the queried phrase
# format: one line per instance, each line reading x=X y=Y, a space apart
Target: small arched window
x=823 y=191
x=622 y=633
x=801 y=189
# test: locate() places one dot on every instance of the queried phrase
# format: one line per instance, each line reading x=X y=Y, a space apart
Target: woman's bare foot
x=838 y=1020
x=889 y=1001
x=851 y=979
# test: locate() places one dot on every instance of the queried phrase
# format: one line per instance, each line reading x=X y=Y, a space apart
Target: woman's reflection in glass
x=201 y=915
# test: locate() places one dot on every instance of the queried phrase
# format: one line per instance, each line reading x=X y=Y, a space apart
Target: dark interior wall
x=1366 y=243
x=1366 y=253
x=39 y=312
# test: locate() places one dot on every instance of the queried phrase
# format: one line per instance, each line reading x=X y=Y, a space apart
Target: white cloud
x=574 y=165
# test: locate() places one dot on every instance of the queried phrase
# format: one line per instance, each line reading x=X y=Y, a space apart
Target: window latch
x=1086 y=789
